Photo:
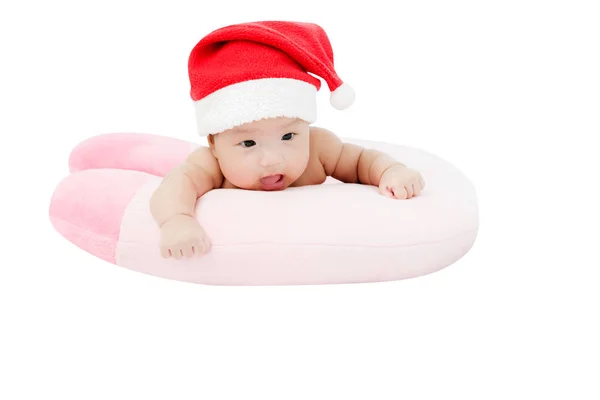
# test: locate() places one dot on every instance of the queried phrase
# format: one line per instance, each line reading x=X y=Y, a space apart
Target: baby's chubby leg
x=154 y=154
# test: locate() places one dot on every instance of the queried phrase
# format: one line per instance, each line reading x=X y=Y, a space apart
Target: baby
x=255 y=102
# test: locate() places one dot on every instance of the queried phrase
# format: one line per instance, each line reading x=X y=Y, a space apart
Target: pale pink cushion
x=330 y=233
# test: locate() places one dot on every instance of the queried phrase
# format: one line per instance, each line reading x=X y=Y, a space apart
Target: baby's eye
x=288 y=136
x=248 y=143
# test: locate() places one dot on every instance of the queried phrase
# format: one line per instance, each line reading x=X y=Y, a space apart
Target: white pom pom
x=342 y=97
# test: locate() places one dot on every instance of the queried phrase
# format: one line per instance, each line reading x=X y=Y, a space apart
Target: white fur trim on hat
x=253 y=100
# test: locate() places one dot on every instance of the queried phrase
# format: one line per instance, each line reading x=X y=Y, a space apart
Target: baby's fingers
x=203 y=245
x=164 y=251
x=207 y=244
x=385 y=191
x=188 y=250
x=176 y=252
x=400 y=193
x=416 y=189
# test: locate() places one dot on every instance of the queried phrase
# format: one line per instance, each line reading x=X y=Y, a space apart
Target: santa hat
x=246 y=72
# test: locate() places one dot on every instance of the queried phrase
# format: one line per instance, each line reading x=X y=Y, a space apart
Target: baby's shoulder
x=318 y=133
x=321 y=138
x=202 y=159
x=326 y=146
x=318 y=167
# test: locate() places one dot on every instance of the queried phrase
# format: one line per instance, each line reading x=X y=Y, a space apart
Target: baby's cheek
x=241 y=176
x=301 y=163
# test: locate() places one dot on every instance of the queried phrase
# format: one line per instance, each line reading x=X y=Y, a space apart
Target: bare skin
x=270 y=154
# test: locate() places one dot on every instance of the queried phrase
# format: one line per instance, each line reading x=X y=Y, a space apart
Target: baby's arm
x=182 y=186
x=173 y=204
x=350 y=163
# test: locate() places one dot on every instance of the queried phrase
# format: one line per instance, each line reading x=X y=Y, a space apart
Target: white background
x=509 y=92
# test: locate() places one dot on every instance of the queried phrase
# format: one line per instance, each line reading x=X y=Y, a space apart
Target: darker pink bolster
x=87 y=207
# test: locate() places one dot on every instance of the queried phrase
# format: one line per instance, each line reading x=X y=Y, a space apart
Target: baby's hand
x=401 y=182
x=182 y=236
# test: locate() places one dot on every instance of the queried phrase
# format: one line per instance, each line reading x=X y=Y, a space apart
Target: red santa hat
x=246 y=72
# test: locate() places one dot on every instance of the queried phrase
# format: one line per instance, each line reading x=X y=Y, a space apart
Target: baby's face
x=268 y=154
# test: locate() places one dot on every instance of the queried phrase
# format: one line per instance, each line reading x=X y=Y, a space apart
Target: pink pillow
x=330 y=233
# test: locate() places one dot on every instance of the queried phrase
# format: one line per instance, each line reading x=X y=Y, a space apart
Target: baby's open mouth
x=271 y=180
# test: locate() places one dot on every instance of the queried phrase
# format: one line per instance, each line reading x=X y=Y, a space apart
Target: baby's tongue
x=270 y=180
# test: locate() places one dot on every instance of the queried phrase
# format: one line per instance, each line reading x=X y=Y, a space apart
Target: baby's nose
x=271 y=158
